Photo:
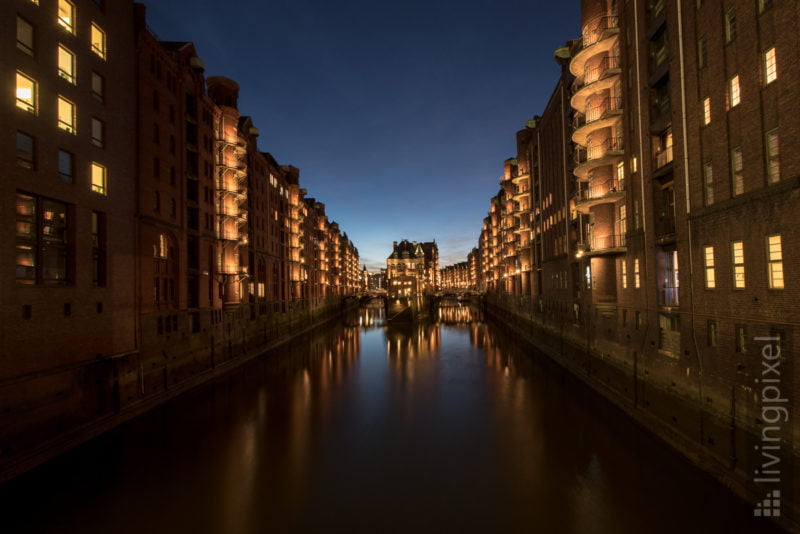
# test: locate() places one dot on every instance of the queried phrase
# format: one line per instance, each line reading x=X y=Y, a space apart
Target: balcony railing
x=668 y=296
x=594 y=152
x=601 y=190
x=594 y=31
x=607 y=242
x=663 y=157
x=594 y=73
x=597 y=112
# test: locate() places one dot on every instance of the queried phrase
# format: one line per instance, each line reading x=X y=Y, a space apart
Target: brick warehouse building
x=153 y=241
x=662 y=218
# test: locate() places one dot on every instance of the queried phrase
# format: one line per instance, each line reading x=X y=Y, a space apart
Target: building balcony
x=598 y=36
x=609 y=191
x=228 y=235
x=607 y=244
x=604 y=153
x=665 y=230
x=600 y=78
x=606 y=114
x=231 y=187
x=663 y=157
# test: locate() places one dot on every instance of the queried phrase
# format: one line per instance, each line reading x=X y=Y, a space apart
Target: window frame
x=68 y=127
x=773 y=160
x=708 y=183
x=61 y=174
x=99 y=96
x=100 y=50
x=709 y=267
x=99 y=142
x=43 y=241
x=771 y=263
x=737 y=171
x=97 y=187
x=734 y=92
x=730 y=25
x=63 y=74
x=737 y=265
x=29 y=49
x=26 y=163
x=770 y=65
x=68 y=26
x=706 y=111
x=32 y=106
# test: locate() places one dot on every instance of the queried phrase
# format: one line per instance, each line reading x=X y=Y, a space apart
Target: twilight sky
x=398 y=113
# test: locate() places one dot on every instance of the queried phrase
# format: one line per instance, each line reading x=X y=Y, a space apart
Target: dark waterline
x=367 y=428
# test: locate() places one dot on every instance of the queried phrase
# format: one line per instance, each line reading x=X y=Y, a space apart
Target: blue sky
x=398 y=114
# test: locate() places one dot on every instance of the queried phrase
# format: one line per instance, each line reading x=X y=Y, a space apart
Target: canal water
x=363 y=427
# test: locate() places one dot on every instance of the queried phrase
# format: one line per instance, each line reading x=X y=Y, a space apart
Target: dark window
x=156 y=168
x=156 y=134
x=712 y=333
x=98 y=132
x=25 y=147
x=24 y=35
x=66 y=166
x=730 y=25
x=155 y=100
x=98 y=86
x=98 y=248
x=42 y=241
x=702 y=52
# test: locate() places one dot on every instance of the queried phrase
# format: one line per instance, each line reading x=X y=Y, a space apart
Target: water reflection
x=446 y=426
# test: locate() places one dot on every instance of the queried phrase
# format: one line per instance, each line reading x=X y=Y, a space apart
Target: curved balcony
x=596 y=79
x=231 y=187
x=608 y=192
x=594 y=156
x=516 y=177
x=607 y=244
x=599 y=35
x=604 y=115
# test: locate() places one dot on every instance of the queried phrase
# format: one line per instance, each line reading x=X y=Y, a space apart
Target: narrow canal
x=446 y=427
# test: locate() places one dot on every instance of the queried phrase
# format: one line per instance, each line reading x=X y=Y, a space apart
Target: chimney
x=395 y=245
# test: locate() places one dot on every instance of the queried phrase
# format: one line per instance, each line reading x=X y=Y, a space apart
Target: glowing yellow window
x=99 y=179
x=98 y=41
x=66 y=64
x=775 y=261
x=26 y=93
x=737 y=253
x=66 y=115
x=770 y=66
x=66 y=15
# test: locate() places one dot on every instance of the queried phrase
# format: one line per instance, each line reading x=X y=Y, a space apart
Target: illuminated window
x=624 y=272
x=66 y=15
x=42 y=241
x=66 y=166
x=730 y=25
x=634 y=164
x=98 y=132
x=706 y=111
x=734 y=95
x=737 y=254
x=708 y=184
x=25 y=36
x=25 y=147
x=26 y=93
x=99 y=179
x=770 y=66
x=773 y=157
x=98 y=248
x=708 y=259
x=775 y=261
x=98 y=41
x=620 y=172
x=636 y=277
x=98 y=86
x=737 y=176
x=66 y=115
x=66 y=64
